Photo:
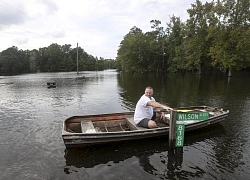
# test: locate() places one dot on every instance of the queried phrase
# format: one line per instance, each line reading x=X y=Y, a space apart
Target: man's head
x=149 y=91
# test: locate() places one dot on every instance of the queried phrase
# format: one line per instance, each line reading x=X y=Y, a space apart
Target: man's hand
x=167 y=108
x=163 y=115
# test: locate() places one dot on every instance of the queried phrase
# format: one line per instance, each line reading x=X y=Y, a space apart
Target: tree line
x=216 y=36
x=54 y=58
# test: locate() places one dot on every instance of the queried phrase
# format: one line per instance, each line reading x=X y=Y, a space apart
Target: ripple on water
x=31 y=119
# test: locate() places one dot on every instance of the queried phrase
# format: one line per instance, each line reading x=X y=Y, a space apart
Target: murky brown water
x=31 y=118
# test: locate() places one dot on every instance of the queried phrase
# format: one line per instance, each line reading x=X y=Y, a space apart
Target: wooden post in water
x=172 y=128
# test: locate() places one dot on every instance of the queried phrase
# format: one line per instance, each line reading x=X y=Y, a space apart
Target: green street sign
x=192 y=116
x=181 y=119
x=180 y=129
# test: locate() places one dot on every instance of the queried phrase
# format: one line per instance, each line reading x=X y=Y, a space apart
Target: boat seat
x=131 y=121
x=87 y=127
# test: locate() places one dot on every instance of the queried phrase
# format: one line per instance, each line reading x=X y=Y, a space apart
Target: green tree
x=13 y=61
x=176 y=59
x=196 y=43
x=160 y=36
x=230 y=49
x=67 y=63
x=33 y=61
x=55 y=56
x=43 y=59
x=130 y=52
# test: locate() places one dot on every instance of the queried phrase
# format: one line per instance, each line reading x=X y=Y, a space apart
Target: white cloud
x=97 y=25
x=21 y=40
x=10 y=15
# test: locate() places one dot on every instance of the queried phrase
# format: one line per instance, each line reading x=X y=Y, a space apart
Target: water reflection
x=102 y=154
x=175 y=89
x=153 y=155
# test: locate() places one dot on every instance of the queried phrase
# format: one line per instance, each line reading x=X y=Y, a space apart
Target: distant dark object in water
x=80 y=77
x=7 y=83
x=51 y=84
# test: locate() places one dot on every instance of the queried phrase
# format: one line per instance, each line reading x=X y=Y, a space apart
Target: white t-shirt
x=142 y=110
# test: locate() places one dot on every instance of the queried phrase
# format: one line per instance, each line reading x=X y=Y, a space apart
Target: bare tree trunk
x=200 y=71
x=229 y=72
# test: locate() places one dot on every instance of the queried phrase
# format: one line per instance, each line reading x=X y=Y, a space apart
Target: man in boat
x=144 y=112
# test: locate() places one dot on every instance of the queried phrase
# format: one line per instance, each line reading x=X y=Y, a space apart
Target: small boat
x=51 y=84
x=81 y=131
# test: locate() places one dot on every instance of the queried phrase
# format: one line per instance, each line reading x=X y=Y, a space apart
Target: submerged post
x=172 y=128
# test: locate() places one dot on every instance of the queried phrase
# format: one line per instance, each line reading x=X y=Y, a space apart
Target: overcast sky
x=97 y=25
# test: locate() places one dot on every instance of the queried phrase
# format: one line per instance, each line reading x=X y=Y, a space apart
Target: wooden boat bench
x=87 y=127
x=131 y=123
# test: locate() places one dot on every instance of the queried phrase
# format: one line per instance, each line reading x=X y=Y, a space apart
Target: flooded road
x=31 y=118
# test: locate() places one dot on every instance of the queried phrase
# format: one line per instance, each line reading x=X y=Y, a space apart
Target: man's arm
x=158 y=105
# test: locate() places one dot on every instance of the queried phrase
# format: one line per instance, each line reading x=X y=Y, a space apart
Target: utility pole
x=77 y=59
x=163 y=56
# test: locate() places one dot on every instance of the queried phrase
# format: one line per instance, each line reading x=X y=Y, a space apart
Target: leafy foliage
x=53 y=58
x=216 y=36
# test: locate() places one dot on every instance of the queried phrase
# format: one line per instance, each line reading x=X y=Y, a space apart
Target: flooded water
x=31 y=117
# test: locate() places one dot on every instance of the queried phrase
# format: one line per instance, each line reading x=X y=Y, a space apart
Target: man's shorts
x=144 y=121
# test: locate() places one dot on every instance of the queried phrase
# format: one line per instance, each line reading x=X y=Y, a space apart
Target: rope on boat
x=121 y=127
x=106 y=127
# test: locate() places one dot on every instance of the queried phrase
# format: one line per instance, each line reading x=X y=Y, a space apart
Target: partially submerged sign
x=180 y=129
x=183 y=118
